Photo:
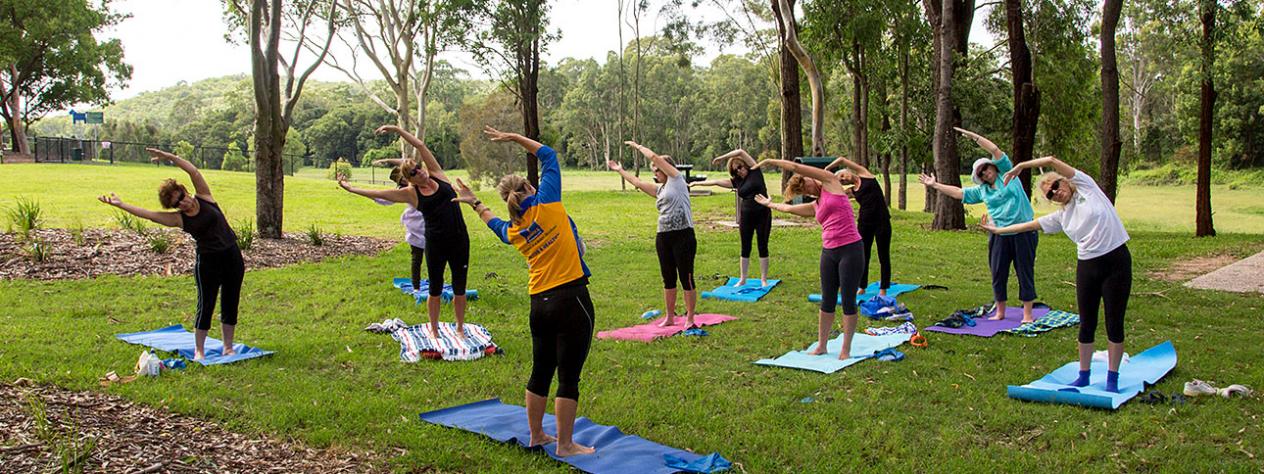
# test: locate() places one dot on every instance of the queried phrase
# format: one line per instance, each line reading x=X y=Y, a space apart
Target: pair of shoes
x=1195 y=388
x=695 y=331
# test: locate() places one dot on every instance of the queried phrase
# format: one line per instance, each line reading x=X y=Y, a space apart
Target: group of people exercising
x=561 y=313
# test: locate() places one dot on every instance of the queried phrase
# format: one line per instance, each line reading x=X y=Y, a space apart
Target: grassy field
x=943 y=409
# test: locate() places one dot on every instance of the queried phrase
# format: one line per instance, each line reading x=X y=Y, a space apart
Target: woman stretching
x=1007 y=204
x=753 y=219
x=218 y=265
x=561 y=310
x=448 y=242
x=414 y=223
x=1103 y=271
x=676 y=243
x=874 y=222
x=842 y=257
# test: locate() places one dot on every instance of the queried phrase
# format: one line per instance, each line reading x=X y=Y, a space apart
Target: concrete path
x=1242 y=276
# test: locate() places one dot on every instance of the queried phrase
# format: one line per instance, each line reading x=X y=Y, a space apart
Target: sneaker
x=1195 y=388
x=1235 y=390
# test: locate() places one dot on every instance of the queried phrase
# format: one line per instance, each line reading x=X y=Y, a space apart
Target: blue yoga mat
x=176 y=339
x=406 y=285
x=871 y=291
x=1144 y=368
x=616 y=452
x=751 y=292
x=862 y=347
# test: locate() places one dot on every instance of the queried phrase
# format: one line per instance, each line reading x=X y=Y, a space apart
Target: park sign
x=94 y=118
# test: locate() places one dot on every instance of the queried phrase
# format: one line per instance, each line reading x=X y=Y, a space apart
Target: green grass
x=943 y=409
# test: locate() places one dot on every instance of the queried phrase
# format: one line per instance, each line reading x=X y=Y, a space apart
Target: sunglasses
x=1053 y=189
x=179 y=199
x=414 y=171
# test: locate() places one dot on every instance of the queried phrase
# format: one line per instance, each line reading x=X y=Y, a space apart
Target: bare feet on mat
x=228 y=351
x=1029 y=320
x=541 y=439
x=460 y=329
x=573 y=449
x=763 y=282
x=434 y=330
x=845 y=353
x=670 y=320
x=860 y=291
x=882 y=292
x=741 y=282
x=816 y=352
x=689 y=322
x=198 y=355
x=996 y=317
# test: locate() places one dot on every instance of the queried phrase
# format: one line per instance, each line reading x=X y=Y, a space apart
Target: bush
x=126 y=221
x=245 y=234
x=159 y=242
x=234 y=160
x=379 y=154
x=25 y=217
x=37 y=250
x=314 y=236
x=339 y=169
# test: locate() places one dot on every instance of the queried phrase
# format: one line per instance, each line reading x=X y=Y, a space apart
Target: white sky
x=167 y=41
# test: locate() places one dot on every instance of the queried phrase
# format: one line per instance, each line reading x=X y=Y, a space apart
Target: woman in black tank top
x=447 y=240
x=219 y=264
x=874 y=221
x=753 y=218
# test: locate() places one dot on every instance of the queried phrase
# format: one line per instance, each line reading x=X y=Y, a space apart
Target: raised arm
x=950 y=191
x=723 y=183
x=388 y=162
x=432 y=164
x=404 y=195
x=465 y=195
x=852 y=166
x=804 y=210
x=645 y=187
x=736 y=154
x=169 y=219
x=550 y=171
x=200 y=188
x=1058 y=166
x=530 y=145
x=828 y=181
x=982 y=142
x=660 y=161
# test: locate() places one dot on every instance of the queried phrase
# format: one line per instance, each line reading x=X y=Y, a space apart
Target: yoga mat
x=751 y=292
x=862 y=347
x=651 y=331
x=1141 y=369
x=616 y=452
x=176 y=339
x=983 y=327
x=871 y=291
x=423 y=291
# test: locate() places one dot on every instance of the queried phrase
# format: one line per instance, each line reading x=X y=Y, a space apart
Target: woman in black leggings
x=753 y=219
x=447 y=240
x=561 y=309
x=219 y=264
x=874 y=222
x=1103 y=272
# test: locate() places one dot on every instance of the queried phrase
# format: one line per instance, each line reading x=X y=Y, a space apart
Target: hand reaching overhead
x=497 y=135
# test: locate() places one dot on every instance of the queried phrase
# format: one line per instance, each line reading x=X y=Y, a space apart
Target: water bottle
x=651 y=314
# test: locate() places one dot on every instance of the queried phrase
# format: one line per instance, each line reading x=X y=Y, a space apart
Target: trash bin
x=76 y=154
x=817 y=161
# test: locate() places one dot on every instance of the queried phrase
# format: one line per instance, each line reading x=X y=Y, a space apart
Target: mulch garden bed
x=49 y=429
x=117 y=252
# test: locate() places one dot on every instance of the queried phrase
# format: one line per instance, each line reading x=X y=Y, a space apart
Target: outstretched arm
x=427 y=157
x=950 y=191
x=530 y=145
x=200 y=187
x=550 y=171
x=982 y=142
x=169 y=219
x=388 y=162
x=660 y=161
x=738 y=154
x=645 y=187
x=403 y=195
x=804 y=210
x=828 y=181
x=1028 y=226
x=1058 y=165
x=464 y=195
x=852 y=166
x=723 y=183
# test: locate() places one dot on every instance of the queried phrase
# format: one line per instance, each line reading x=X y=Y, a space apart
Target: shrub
x=314 y=236
x=37 y=250
x=234 y=160
x=159 y=242
x=26 y=216
x=127 y=221
x=245 y=234
x=339 y=169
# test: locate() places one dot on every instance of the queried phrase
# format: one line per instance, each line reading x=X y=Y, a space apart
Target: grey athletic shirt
x=674 y=212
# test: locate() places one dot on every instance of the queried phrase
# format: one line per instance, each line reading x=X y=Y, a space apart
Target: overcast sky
x=167 y=41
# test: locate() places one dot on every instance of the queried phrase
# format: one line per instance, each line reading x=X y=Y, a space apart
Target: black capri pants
x=840 y=269
x=676 y=251
x=1017 y=249
x=213 y=272
x=756 y=221
x=561 y=332
x=419 y=256
x=882 y=234
x=454 y=254
x=1104 y=280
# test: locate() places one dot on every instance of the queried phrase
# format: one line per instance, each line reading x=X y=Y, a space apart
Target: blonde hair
x=735 y=162
x=1047 y=179
x=167 y=193
x=513 y=189
x=406 y=169
x=794 y=187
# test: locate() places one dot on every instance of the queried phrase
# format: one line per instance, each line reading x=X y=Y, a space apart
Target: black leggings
x=452 y=254
x=840 y=268
x=419 y=256
x=881 y=233
x=676 y=250
x=755 y=222
x=561 y=331
x=211 y=272
x=1105 y=279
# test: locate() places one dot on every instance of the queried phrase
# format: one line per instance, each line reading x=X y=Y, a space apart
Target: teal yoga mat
x=1142 y=369
x=863 y=346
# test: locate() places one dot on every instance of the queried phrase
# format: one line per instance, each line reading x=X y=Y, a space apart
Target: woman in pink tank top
x=842 y=253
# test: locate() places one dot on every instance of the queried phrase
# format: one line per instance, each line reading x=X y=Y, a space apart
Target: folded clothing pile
x=964 y=317
x=885 y=308
x=906 y=328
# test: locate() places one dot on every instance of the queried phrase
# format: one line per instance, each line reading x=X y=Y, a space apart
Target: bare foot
x=1025 y=320
x=763 y=282
x=818 y=351
x=845 y=353
x=996 y=317
x=689 y=322
x=198 y=355
x=542 y=439
x=860 y=292
x=434 y=331
x=460 y=329
x=668 y=321
x=741 y=282
x=227 y=352
x=573 y=449
x=882 y=292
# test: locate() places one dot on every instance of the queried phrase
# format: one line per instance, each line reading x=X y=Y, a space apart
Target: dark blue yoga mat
x=616 y=452
x=1144 y=368
x=871 y=291
x=176 y=339
x=406 y=285
x=751 y=292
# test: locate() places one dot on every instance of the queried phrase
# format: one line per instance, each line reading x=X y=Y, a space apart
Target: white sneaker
x=1231 y=391
x=1197 y=387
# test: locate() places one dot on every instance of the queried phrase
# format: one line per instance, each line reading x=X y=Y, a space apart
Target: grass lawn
x=943 y=409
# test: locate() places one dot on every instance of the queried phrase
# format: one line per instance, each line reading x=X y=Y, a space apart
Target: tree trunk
x=269 y=130
x=858 y=123
x=404 y=119
x=791 y=102
x=904 y=96
x=949 y=214
x=934 y=9
x=1207 y=102
x=1026 y=95
x=813 y=74
x=13 y=111
x=529 y=90
x=886 y=155
x=1109 y=175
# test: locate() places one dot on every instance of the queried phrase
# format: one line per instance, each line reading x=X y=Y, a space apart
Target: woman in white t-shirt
x=1103 y=273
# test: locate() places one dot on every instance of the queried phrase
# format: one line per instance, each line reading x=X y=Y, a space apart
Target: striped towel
x=906 y=328
x=1046 y=323
x=416 y=343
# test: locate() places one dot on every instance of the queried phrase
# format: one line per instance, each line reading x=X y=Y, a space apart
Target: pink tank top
x=838 y=225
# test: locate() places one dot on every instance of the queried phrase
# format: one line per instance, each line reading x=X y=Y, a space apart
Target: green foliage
x=183 y=149
x=234 y=160
x=159 y=241
x=295 y=151
x=1185 y=174
x=314 y=235
x=25 y=216
x=488 y=161
x=127 y=221
x=37 y=250
x=384 y=153
x=76 y=232
x=339 y=169
x=245 y=231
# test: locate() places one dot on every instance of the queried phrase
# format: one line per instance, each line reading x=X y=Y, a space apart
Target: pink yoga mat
x=651 y=331
x=985 y=328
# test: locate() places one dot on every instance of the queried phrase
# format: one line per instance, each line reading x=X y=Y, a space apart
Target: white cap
x=978 y=165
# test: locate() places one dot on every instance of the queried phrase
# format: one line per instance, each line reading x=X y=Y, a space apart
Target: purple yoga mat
x=985 y=328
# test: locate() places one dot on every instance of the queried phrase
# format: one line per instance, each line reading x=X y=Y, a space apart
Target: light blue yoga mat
x=751 y=292
x=616 y=452
x=406 y=285
x=871 y=291
x=863 y=346
x=176 y=339
x=1144 y=368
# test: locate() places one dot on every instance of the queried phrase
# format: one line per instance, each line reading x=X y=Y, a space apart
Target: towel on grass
x=1049 y=322
x=416 y=342
x=751 y=292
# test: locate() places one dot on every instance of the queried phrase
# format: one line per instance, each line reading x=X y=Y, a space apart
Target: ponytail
x=513 y=189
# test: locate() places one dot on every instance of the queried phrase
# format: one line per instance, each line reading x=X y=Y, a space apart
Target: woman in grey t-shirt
x=676 y=243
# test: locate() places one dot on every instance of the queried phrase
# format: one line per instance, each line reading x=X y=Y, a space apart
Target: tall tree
x=790 y=35
x=950 y=20
x=1108 y=176
x=50 y=60
x=1026 y=94
x=263 y=22
x=791 y=101
x=1207 y=104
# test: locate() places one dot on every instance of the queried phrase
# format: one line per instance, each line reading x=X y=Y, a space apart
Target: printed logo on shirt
x=532 y=232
